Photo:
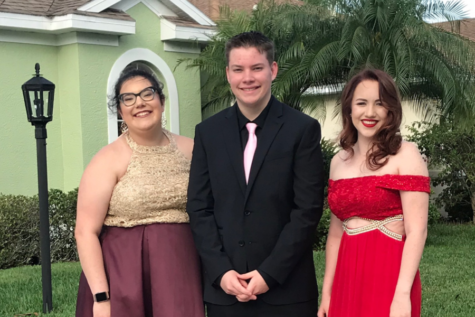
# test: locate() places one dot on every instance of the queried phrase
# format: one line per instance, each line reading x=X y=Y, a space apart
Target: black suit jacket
x=268 y=224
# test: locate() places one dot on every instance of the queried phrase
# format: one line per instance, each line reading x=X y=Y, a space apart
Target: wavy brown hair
x=387 y=140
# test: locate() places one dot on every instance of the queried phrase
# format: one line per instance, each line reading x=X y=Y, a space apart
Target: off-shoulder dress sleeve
x=416 y=183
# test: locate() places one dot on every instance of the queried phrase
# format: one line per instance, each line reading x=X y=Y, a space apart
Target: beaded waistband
x=374 y=225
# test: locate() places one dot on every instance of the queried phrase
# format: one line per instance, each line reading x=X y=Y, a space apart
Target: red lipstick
x=369 y=123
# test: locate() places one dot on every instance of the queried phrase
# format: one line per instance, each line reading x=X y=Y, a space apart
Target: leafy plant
x=19 y=231
x=322 y=43
x=321 y=233
x=329 y=149
x=62 y=222
x=451 y=149
x=434 y=215
x=19 y=228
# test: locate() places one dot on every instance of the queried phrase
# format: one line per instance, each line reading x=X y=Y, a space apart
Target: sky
x=469 y=6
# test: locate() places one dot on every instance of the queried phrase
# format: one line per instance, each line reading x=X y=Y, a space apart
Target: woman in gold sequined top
x=132 y=231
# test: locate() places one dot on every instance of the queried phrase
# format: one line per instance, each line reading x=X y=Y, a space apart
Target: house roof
x=466 y=28
x=52 y=8
x=181 y=21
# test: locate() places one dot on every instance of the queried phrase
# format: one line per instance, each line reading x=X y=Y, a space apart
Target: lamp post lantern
x=38 y=94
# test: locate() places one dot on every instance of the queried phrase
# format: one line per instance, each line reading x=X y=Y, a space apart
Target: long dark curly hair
x=387 y=140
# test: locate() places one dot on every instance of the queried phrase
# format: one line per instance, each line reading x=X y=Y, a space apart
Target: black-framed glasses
x=129 y=99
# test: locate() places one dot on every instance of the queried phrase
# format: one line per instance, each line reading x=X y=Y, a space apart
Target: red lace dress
x=369 y=258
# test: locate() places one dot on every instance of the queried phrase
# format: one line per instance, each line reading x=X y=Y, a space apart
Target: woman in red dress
x=378 y=195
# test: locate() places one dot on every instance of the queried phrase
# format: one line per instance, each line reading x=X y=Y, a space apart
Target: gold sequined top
x=153 y=190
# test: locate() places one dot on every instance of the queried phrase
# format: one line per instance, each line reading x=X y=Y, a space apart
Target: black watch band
x=101 y=297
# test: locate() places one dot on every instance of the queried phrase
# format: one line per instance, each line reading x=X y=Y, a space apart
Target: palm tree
x=296 y=32
x=324 y=42
x=427 y=63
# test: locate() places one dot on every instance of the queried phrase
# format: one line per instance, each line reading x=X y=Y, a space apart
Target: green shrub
x=461 y=211
x=434 y=215
x=329 y=149
x=19 y=228
x=62 y=209
x=322 y=231
x=450 y=148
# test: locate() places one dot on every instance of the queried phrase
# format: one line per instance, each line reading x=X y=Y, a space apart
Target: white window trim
x=146 y=55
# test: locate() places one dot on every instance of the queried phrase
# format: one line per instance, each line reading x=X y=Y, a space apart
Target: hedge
x=19 y=228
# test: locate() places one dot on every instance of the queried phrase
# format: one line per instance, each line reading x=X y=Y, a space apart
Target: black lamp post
x=39 y=113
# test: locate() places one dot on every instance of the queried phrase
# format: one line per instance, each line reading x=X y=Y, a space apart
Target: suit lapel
x=233 y=146
x=271 y=127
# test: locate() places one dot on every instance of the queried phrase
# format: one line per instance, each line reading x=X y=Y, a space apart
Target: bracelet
x=101 y=297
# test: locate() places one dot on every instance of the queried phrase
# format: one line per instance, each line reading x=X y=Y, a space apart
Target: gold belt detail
x=374 y=225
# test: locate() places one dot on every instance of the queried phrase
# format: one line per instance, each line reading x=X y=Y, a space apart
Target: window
x=144 y=58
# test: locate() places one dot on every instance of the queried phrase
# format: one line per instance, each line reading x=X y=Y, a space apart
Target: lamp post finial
x=37 y=69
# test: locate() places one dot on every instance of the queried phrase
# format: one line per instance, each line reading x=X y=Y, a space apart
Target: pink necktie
x=250 y=148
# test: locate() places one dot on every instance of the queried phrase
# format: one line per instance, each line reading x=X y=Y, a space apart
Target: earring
x=164 y=121
x=123 y=127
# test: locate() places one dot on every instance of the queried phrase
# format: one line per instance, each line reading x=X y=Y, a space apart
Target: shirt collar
x=260 y=120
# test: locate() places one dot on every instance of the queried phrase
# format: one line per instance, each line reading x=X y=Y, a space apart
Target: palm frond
x=323 y=43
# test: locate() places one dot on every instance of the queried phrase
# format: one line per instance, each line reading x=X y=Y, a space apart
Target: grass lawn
x=20 y=290
x=447 y=272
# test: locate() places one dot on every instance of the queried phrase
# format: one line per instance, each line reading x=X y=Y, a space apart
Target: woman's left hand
x=401 y=306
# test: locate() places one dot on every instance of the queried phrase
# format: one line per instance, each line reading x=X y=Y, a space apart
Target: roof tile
x=211 y=7
x=52 y=8
x=187 y=22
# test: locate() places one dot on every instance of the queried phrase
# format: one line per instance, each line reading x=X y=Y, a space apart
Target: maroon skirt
x=153 y=271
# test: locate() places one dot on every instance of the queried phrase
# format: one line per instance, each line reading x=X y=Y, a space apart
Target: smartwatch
x=101 y=297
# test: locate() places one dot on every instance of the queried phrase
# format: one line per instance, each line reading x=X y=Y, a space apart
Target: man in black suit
x=255 y=194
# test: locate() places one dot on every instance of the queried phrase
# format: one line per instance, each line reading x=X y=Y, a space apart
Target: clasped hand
x=245 y=287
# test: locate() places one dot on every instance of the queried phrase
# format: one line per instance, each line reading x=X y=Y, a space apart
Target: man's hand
x=232 y=285
x=256 y=284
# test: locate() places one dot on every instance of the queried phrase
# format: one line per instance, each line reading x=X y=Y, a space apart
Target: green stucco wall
x=18 y=170
x=71 y=115
x=79 y=127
